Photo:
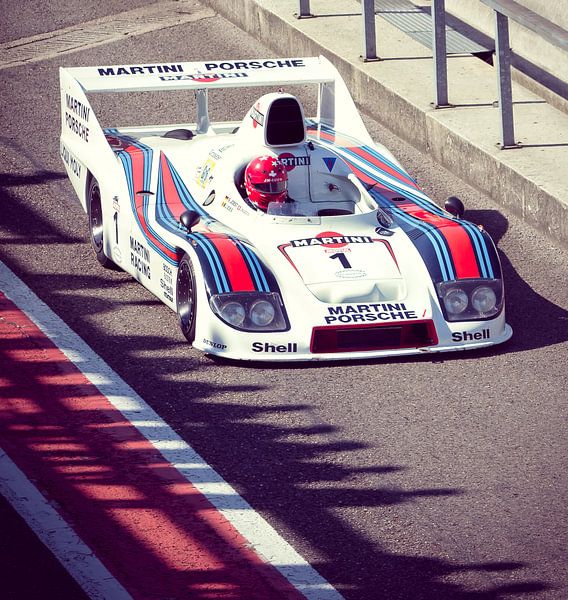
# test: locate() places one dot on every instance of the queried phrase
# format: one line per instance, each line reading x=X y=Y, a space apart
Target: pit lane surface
x=431 y=478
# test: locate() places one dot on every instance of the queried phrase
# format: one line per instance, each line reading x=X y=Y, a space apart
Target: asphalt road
x=438 y=478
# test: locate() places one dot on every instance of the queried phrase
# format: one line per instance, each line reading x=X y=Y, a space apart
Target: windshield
x=292 y=208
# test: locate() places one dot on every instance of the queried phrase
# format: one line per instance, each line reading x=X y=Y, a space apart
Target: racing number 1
x=115 y=218
x=342 y=259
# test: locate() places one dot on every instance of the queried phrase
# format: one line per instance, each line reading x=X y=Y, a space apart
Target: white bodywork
x=343 y=266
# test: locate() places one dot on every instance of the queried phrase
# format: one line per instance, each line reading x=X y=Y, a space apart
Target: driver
x=266 y=181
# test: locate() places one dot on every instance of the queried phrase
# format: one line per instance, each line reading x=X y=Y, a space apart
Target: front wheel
x=95 y=213
x=186 y=298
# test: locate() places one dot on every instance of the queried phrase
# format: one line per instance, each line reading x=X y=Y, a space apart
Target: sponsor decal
x=267 y=347
x=468 y=336
x=230 y=204
x=369 y=313
x=140 y=257
x=215 y=345
x=166 y=282
x=329 y=163
x=204 y=175
x=384 y=232
x=202 y=77
x=77 y=107
x=76 y=117
x=139 y=70
x=350 y=273
x=68 y=158
x=331 y=239
x=290 y=161
x=256 y=116
x=255 y=64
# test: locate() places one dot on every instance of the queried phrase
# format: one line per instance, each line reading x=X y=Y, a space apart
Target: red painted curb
x=154 y=531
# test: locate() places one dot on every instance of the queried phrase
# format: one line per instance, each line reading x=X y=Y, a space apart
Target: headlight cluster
x=250 y=311
x=471 y=299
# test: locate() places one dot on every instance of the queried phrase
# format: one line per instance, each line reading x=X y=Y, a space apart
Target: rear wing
x=335 y=105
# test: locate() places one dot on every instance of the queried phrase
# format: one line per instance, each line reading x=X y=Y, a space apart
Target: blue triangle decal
x=329 y=163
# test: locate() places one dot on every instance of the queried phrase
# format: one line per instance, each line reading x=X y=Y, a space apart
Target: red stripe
x=152 y=529
x=234 y=262
x=383 y=166
x=138 y=159
x=364 y=154
x=171 y=194
x=459 y=242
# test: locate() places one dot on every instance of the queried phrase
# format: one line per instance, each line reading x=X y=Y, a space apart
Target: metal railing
x=504 y=10
x=369 y=36
x=552 y=33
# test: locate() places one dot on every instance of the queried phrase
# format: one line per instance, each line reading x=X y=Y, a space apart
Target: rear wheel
x=95 y=213
x=186 y=298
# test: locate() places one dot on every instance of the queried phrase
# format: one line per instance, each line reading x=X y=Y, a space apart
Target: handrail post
x=503 y=59
x=370 y=39
x=440 y=53
x=303 y=10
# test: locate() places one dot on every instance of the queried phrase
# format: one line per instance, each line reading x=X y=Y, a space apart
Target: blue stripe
x=126 y=160
x=255 y=268
x=439 y=243
x=168 y=221
x=184 y=194
x=372 y=151
x=214 y=259
x=478 y=241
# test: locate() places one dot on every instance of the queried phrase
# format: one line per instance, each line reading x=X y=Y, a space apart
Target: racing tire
x=95 y=214
x=186 y=298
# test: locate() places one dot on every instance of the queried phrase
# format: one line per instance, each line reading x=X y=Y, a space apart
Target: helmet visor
x=271 y=187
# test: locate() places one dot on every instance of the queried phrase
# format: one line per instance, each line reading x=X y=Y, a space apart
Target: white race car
x=353 y=261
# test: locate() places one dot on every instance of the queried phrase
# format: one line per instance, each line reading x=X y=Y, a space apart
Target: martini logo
x=202 y=77
x=290 y=161
x=140 y=70
x=331 y=239
x=329 y=163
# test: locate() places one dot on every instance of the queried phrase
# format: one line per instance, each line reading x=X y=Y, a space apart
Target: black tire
x=95 y=214
x=186 y=298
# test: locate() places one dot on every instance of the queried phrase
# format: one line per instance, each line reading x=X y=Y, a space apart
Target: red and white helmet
x=266 y=180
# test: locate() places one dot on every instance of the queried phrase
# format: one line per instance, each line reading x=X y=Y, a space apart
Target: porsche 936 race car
x=354 y=262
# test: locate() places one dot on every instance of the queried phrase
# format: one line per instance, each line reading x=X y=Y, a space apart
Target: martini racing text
x=369 y=313
x=76 y=117
x=140 y=257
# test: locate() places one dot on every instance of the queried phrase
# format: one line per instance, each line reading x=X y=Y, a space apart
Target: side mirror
x=189 y=219
x=455 y=206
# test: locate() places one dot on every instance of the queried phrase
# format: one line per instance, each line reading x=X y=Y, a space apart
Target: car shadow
x=536 y=321
x=295 y=475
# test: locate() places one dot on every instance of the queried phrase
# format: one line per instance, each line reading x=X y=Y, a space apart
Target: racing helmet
x=266 y=180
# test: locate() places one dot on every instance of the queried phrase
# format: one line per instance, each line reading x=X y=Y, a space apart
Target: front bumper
x=298 y=344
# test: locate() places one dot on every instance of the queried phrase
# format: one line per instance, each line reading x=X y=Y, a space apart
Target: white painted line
x=100 y=31
x=262 y=537
x=77 y=558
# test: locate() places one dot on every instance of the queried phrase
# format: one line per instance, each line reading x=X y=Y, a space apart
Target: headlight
x=233 y=312
x=250 y=311
x=262 y=313
x=455 y=301
x=483 y=299
x=471 y=299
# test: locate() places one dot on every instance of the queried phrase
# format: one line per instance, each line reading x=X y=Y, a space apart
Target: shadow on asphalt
x=285 y=479
x=536 y=322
